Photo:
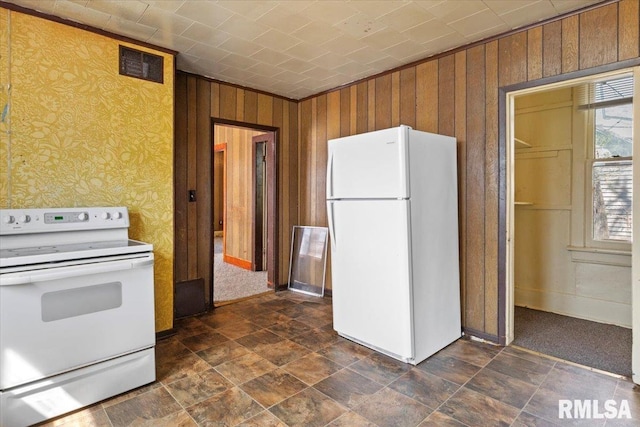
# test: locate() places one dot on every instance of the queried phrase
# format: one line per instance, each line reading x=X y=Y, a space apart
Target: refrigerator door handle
x=332 y=232
x=330 y=177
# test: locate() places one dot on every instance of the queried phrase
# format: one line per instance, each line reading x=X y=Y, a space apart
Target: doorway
x=244 y=174
x=563 y=277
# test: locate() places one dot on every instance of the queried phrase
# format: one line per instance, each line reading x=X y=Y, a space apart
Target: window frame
x=590 y=160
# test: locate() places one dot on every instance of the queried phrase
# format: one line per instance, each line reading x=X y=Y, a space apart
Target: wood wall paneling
x=461 y=137
x=192 y=173
x=407 y=99
x=427 y=97
x=599 y=36
x=628 y=37
x=345 y=112
x=353 y=107
x=491 y=188
x=371 y=101
x=383 y=102
x=203 y=184
x=570 y=34
x=362 y=113
x=446 y=95
x=534 y=53
x=321 y=159
x=475 y=189
x=552 y=49
x=512 y=59
x=395 y=98
x=250 y=106
x=228 y=102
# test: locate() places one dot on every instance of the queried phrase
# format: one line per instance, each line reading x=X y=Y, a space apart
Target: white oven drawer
x=58 y=319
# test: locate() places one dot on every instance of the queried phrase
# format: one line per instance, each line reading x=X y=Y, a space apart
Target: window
x=610 y=151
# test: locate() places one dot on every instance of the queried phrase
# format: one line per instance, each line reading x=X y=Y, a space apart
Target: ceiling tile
x=128 y=10
x=168 y=5
x=427 y=31
x=240 y=27
x=404 y=50
x=40 y=6
x=238 y=61
x=451 y=11
x=563 y=6
x=475 y=23
x=528 y=14
x=365 y=55
x=384 y=39
x=444 y=44
x=78 y=13
x=270 y=56
x=375 y=9
x=329 y=60
x=205 y=12
x=202 y=33
x=343 y=45
x=164 y=20
x=209 y=52
x=265 y=70
x=359 y=25
x=505 y=6
x=276 y=40
x=407 y=16
x=306 y=51
x=317 y=73
x=171 y=41
x=296 y=65
x=283 y=19
x=317 y=33
x=329 y=11
x=248 y=9
x=240 y=47
x=130 y=29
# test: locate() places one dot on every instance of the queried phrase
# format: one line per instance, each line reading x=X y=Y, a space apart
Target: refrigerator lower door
x=370 y=266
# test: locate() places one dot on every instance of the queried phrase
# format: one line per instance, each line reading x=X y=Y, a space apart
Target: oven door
x=57 y=319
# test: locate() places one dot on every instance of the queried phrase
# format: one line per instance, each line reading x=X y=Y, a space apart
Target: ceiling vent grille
x=141 y=65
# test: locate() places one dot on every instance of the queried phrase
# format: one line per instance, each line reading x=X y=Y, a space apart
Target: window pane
x=612 y=190
x=613 y=131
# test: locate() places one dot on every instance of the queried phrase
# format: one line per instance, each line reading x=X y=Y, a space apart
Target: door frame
x=222 y=148
x=272 y=193
x=506 y=197
x=257 y=219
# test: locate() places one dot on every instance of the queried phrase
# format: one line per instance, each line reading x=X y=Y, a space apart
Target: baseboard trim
x=483 y=335
x=242 y=263
x=166 y=334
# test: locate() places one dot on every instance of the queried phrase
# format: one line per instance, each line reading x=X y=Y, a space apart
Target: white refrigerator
x=393 y=224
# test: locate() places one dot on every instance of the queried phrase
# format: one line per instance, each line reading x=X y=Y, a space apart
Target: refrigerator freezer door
x=371 y=273
x=369 y=166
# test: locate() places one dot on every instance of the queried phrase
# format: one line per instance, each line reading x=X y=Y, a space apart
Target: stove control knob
x=9 y=219
x=24 y=219
x=117 y=215
x=83 y=216
x=105 y=215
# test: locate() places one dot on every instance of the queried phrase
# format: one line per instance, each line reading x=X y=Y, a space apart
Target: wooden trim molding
x=220 y=147
x=242 y=263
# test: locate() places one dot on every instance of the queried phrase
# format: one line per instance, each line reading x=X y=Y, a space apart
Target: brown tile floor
x=276 y=361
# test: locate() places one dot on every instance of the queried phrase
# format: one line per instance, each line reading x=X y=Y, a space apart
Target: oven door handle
x=25 y=278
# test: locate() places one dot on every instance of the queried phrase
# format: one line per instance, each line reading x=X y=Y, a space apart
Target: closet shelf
x=521 y=144
x=522 y=203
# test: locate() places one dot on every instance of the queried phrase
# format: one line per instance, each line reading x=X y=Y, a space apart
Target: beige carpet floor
x=232 y=283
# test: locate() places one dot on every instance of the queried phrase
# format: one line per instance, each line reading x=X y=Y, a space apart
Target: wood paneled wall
x=198 y=100
x=239 y=190
x=457 y=95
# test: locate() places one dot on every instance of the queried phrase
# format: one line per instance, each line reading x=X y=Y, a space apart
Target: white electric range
x=77 y=321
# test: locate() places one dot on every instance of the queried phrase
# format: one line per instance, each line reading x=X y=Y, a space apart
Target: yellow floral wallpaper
x=83 y=135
